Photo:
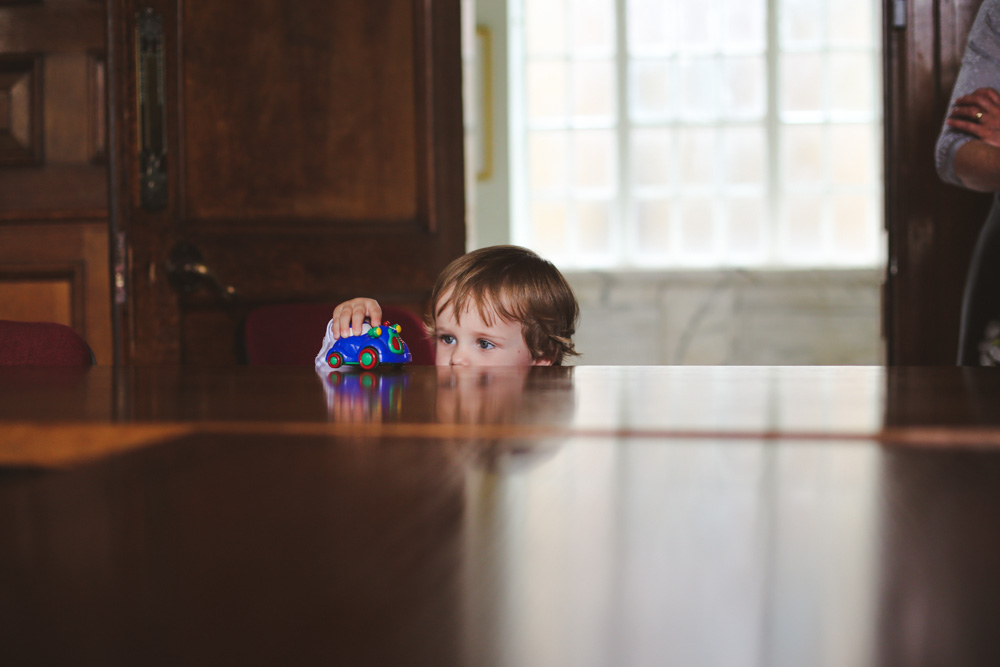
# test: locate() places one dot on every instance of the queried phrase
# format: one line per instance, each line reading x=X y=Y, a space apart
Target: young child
x=497 y=306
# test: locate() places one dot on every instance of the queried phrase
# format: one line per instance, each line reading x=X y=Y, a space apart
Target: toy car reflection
x=379 y=345
x=365 y=396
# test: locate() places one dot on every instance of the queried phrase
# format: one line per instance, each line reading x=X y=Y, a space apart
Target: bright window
x=687 y=133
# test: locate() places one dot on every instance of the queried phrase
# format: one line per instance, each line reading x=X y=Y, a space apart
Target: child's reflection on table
x=481 y=399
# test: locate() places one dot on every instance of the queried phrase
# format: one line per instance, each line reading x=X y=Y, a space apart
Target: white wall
x=490 y=216
x=729 y=317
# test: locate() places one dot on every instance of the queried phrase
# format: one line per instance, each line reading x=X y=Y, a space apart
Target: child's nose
x=459 y=357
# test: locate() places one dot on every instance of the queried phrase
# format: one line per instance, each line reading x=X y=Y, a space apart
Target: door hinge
x=120 y=269
x=899 y=14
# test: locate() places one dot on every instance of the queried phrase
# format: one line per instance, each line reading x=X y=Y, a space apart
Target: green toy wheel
x=368 y=359
x=335 y=359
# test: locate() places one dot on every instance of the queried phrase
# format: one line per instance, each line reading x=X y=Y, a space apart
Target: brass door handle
x=188 y=273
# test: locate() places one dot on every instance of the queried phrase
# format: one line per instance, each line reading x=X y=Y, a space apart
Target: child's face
x=474 y=343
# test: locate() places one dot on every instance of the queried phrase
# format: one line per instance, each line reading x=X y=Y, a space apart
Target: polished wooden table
x=574 y=516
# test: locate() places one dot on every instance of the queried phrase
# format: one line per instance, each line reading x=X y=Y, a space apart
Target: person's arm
x=977 y=165
x=977 y=162
x=350 y=315
x=966 y=151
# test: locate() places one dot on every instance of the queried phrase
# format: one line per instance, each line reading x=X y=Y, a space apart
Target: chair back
x=42 y=344
x=291 y=334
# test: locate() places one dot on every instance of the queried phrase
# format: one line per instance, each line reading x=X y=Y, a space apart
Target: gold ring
x=979 y=115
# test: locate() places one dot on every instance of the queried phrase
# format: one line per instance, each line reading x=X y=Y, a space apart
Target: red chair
x=42 y=344
x=291 y=334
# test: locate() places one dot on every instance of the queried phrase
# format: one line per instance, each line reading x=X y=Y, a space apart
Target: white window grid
x=801 y=214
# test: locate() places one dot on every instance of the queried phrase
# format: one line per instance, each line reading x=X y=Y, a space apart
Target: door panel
x=313 y=151
x=354 y=147
x=53 y=167
x=57 y=272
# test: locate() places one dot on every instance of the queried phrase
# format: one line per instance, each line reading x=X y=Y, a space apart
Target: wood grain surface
x=573 y=516
x=55 y=417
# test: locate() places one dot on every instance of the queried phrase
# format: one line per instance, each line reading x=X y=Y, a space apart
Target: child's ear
x=541 y=362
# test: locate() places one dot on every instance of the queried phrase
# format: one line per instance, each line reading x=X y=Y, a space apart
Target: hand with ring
x=978 y=114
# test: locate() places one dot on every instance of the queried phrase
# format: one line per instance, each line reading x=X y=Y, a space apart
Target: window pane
x=852 y=153
x=549 y=220
x=594 y=90
x=594 y=158
x=548 y=155
x=652 y=89
x=851 y=84
x=652 y=152
x=801 y=23
x=653 y=225
x=745 y=155
x=649 y=26
x=721 y=165
x=697 y=226
x=744 y=25
x=696 y=149
x=593 y=25
x=548 y=90
x=745 y=225
x=545 y=26
x=698 y=25
x=802 y=154
x=850 y=22
x=802 y=227
x=801 y=82
x=699 y=88
x=745 y=92
x=854 y=224
x=594 y=221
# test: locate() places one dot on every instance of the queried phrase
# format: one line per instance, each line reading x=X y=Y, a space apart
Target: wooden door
x=279 y=151
x=53 y=167
x=931 y=226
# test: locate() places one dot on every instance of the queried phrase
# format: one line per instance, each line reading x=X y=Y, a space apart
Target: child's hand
x=350 y=315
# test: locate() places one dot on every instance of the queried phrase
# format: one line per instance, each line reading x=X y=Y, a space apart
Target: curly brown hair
x=516 y=285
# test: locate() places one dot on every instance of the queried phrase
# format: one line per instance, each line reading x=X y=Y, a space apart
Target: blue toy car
x=379 y=345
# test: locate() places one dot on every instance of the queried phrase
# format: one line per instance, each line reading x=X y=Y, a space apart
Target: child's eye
x=447 y=339
x=485 y=344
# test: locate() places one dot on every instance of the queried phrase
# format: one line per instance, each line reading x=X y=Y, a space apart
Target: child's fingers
x=341 y=321
x=366 y=309
x=349 y=316
x=358 y=316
